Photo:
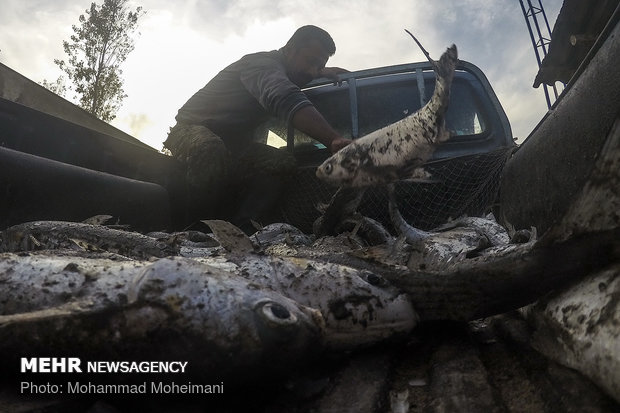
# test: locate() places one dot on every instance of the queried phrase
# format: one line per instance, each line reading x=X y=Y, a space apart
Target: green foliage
x=59 y=87
x=99 y=45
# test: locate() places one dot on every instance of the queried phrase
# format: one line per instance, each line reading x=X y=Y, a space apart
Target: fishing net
x=465 y=185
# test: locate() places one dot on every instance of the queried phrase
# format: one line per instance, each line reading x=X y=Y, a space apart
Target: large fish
x=359 y=307
x=356 y=307
x=397 y=151
x=40 y=235
x=170 y=309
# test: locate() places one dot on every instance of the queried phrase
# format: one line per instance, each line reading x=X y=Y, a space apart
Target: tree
x=99 y=45
x=59 y=86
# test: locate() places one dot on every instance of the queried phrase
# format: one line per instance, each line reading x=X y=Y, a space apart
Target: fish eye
x=374 y=279
x=277 y=313
x=328 y=168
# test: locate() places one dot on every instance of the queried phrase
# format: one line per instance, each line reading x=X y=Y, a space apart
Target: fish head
x=218 y=308
x=353 y=166
x=368 y=311
x=342 y=167
x=278 y=321
x=359 y=308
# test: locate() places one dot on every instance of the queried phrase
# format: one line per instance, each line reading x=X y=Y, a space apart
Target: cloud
x=32 y=32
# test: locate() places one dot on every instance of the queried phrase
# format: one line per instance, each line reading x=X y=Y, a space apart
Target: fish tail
x=447 y=62
x=444 y=71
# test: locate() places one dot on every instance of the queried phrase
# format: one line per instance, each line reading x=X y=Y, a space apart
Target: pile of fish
x=89 y=289
x=83 y=289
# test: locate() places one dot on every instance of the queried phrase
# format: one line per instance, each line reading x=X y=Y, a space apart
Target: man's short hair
x=306 y=34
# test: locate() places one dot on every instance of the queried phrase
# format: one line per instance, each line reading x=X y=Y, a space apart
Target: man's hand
x=338 y=144
x=332 y=73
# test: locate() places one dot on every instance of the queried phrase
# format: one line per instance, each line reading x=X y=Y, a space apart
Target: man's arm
x=333 y=73
x=312 y=123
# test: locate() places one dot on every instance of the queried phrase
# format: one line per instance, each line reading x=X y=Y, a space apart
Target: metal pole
x=531 y=12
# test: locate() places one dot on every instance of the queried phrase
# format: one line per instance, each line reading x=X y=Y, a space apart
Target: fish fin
x=343 y=204
x=98 y=219
x=418 y=175
x=451 y=224
x=321 y=207
x=256 y=225
x=230 y=237
x=423 y=181
x=84 y=245
x=69 y=309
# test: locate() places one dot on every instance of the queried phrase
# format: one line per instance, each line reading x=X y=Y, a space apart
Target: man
x=229 y=175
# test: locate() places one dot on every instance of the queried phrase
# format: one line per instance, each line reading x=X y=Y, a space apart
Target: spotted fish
x=224 y=326
x=398 y=150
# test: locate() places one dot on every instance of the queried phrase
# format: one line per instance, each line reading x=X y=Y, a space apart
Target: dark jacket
x=242 y=96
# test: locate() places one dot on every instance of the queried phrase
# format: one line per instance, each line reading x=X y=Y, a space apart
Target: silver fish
x=449 y=242
x=400 y=148
x=587 y=318
x=169 y=309
x=359 y=307
x=355 y=308
x=39 y=235
x=172 y=307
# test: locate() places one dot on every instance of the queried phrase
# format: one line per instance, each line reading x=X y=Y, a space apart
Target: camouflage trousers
x=218 y=179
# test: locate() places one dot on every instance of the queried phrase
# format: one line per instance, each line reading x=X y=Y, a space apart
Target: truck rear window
x=381 y=101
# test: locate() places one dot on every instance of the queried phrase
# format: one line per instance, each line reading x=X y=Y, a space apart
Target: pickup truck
x=466 y=168
x=51 y=168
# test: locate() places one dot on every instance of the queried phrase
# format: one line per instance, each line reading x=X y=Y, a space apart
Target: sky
x=182 y=44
